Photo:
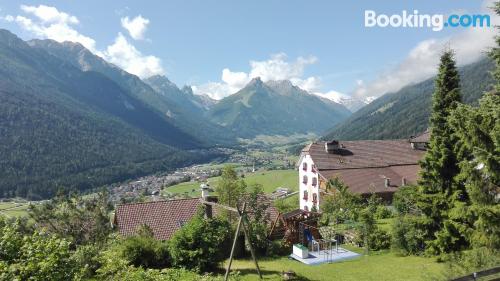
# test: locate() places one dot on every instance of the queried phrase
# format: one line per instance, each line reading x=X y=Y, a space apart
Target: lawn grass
x=270 y=180
x=13 y=209
x=383 y=265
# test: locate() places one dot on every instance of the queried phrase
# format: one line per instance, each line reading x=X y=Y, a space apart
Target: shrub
x=145 y=251
x=200 y=245
x=463 y=263
x=404 y=200
x=277 y=248
x=379 y=240
x=284 y=205
x=383 y=212
x=407 y=235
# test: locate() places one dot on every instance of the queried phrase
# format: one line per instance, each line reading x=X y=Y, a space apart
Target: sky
x=217 y=46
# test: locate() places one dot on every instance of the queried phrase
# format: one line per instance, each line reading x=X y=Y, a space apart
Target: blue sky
x=322 y=46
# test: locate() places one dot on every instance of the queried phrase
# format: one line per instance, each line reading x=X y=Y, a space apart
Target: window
x=313 y=168
x=305 y=196
x=314 y=181
x=304 y=179
x=315 y=198
x=304 y=166
x=306 y=208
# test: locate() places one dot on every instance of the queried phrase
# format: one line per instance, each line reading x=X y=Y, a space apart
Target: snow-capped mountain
x=353 y=104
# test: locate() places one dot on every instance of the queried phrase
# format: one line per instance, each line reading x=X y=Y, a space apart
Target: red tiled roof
x=368 y=180
x=365 y=154
x=364 y=165
x=163 y=217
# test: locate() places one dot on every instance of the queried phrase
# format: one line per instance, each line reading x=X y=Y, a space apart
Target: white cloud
x=422 y=61
x=126 y=56
x=49 y=23
x=277 y=67
x=135 y=27
x=49 y=14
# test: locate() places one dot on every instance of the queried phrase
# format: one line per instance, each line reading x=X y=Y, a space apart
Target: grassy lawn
x=13 y=209
x=270 y=180
x=378 y=266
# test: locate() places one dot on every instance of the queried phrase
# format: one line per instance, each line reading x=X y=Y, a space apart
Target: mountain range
x=406 y=112
x=71 y=120
x=275 y=108
x=62 y=127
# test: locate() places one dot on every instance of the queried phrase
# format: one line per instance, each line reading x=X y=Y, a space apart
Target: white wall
x=306 y=158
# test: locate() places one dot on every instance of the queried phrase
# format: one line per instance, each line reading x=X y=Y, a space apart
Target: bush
x=463 y=263
x=86 y=260
x=379 y=240
x=383 y=212
x=145 y=251
x=201 y=244
x=284 y=205
x=407 y=235
x=277 y=248
x=404 y=200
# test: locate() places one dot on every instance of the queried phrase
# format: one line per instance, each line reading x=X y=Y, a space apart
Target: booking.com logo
x=437 y=21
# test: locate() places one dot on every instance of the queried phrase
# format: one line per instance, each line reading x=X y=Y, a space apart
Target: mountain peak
x=161 y=81
x=255 y=82
x=188 y=90
x=11 y=39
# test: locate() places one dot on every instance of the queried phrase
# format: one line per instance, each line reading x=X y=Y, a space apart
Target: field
x=13 y=209
x=270 y=180
x=376 y=266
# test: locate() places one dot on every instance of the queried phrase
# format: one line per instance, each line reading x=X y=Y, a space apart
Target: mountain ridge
x=274 y=108
x=406 y=112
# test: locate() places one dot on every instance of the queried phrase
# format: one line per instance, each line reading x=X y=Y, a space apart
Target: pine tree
x=478 y=129
x=439 y=188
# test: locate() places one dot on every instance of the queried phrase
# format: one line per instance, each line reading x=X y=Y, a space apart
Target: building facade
x=366 y=167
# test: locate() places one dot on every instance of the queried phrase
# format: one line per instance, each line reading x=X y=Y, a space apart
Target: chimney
x=387 y=182
x=332 y=146
x=403 y=181
x=205 y=190
x=206 y=198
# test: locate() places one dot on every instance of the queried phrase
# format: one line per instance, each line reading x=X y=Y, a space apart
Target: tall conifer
x=439 y=188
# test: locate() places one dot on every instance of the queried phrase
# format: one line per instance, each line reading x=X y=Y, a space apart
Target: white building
x=308 y=184
x=366 y=167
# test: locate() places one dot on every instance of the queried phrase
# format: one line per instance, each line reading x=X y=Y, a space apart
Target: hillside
x=178 y=107
x=62 y=127
x=275 y=108
x=406 y=112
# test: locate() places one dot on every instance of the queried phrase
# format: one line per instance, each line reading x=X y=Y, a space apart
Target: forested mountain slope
x=406 y=112
x=61 y=127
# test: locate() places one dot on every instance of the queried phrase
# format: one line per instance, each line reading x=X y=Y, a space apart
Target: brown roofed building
x=166 y=217
x=163 y=217
x=368 y=166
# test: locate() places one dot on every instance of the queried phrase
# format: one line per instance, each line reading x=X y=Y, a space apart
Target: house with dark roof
x=164 y=218
x=366 y=167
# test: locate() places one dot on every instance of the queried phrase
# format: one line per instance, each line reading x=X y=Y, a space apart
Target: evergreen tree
x=479 y=132
x=440 y=190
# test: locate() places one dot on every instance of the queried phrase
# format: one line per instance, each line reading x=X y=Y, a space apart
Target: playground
x=319 y=245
